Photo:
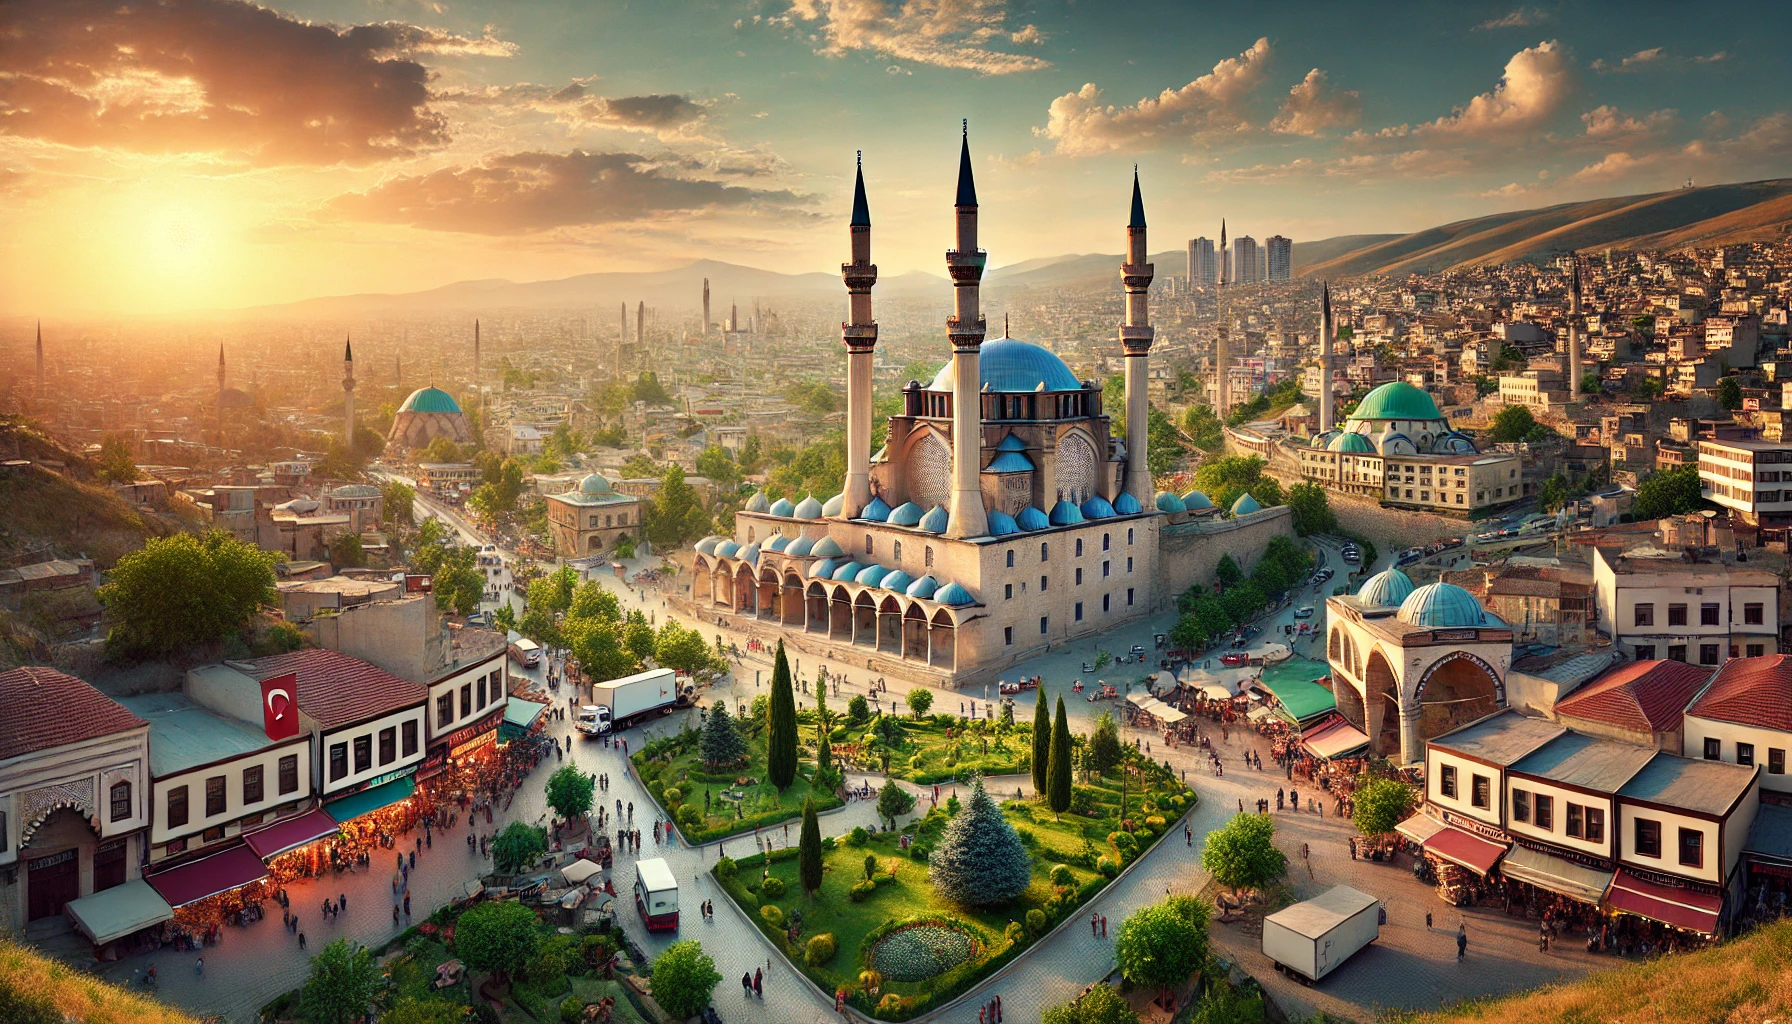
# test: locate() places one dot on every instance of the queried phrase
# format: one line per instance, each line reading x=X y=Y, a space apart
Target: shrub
x=571 y=1010
x=772 y=889
x=1124 y=843
x=1061 y=876
x=1036 y=921
x=1105 y=864
x=1155 y=823
x=727 y=870
x=1014 y=932
x=820 y=950
x=890 y=1005
x=870 y=865
x=918 y=852
x=773 y=916
x=861 y=891
x=858 y=836
x=1027 y=838
x=690 y=817
x=673 y=795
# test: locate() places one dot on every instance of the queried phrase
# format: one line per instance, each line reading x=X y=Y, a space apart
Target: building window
x=1105 y=602
x=1045 y=551
x=1079 y=611
x=1707 y=654
x=1576 y=822
x=1007 y=591
x=479 y=691
x=1129 y=535
x=1708 y=615
x=252 y=785
x=897 y=552
x=466 y=699
x=1129 y=597
x=363 y=753
x=1714 y=749
x=1447 y=782
x=388 y=746
x=1079 y=547
x=408 y=730
x=1521 y=805
x=1105 y=567
x=214 y=796
x=1645 y=652
x=1546 y=812
x=3 y=839
x=1648 y=838
x=1676 y=652
x=868 y=547
x=1010 y=558
x=1043 y=621
x=338 y=761
x=1008 y=635
x=176 y=846
x=1645 y=614
x=1595 y=825
x=289 y=774
x=1692 y=848
x=177 y=807
x=1756 y=650
x=121 y=801
x=444 y=709
x=1129 y=563
x=212 y=835
x=1745 y=754
x=1676 y=615
x=1043 y=580
x=1480 y=795
x=1104 y=542
x=927 y=556
x=1079 y=577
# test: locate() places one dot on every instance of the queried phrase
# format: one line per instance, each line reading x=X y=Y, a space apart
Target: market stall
x=1685 y=909
x=520 y=716
x=1557 y=875
x=1332 y=737
x=121 y=911
x=209 y=876
x=1461 y=861
x=291 y=833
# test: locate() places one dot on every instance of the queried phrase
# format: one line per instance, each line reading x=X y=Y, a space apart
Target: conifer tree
x=808 y=863
x=780 y=722
x=1060 y=769
x=979 y=859
x=722 y=743
x=1042 y=746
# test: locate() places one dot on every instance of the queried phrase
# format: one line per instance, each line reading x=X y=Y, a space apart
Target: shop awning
x=1334 y=737
x=290 y=834
x=1679 y=908
x=1557 y=874
x=579 y=870
x=1258 y=714
x=369 y=800
x=1465 y=848
x=1292 y=683
x=116 y=912
x=1217 y=691
x=1420 y=827
x=519 y=715
x=1157 y=709
x=209 y=876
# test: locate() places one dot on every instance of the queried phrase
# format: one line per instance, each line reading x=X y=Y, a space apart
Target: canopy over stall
x=1292 y=683
x=369 y=800
x=1556 y=874
x=291 y=833
x=1465 y=848
x=1333 y=737
x=1680 y=908
x=209 y=876
x=116 y=912
x=1155 y=708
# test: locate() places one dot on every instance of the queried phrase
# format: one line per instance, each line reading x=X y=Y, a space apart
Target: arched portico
x=864 y=620
x=791 y=603
x=889 y=626
x=914 y=633
x=817 y=607
x=746 y=593
x=1381 y=705
x=840 y=615
x=942 y=637
x=771 y=598
x=1453 y=691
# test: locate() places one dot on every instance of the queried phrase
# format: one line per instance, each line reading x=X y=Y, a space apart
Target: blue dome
x=707 y=546
x=1385 y=589
x=595 y=484
x=1245 y=505
x=1321 y=440
x=923 y=587
x=871 y=575
x=1167 y=502
x=1065 y=514
x=433 y=399
x=934 y=521
x=1011 y=444
x=727 y=549
x=831 y=507
x=782 y=507
x=845 y=573
x=1097 y=507
x=877 y=511
x=826 y=547
x=1351 y=442
x=1004 y=364
x=808 y=508
x=778 y=542
x=953 y=594
x=1442 y=604
x=822 y=570
x=1031 y=519
x=1127 y=505
x=1194 y=501
x=1001 y=524
x=906 y=514
x=1456 y=443
x=801 y=547
x=750 y=555
x=897 y=581
x=1009 y=462
x=757 y=503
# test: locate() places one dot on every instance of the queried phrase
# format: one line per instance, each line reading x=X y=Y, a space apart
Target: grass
x=677 y=763
x=926 y=754
x=27 y=975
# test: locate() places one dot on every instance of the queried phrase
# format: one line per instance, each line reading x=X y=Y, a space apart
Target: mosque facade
x=427 y=414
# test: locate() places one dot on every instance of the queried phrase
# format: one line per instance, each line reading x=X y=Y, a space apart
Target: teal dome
x=1031 y=518
x=1004 y=364
x=1321 y=440
x=1097 y=507
x=831 y=507
x=1348 y=442
x=757 y=503
x=727 y=549
x=1441 y=604
x=707 y=546
x=822 y=570
x=781 y=508
x=845 y=573
x=1009 y=462
x=1066 y=514
x=826 y=547
x=808 y=508
x=1195 y=501
x=1167 y=502
x=871 y=575
x=801 y=547
x=954 y=595
x=897 y=581
x=1245 y=505
x=1001 y=524
x=923 y=588
x=1385 y=589
x=1011 y=444
x=878 y=511
x=595 y=484
x=750 y=555
x=1397 y=400
x=934 y=521
x=778 y=542
x=431 y=399
x=906 y=514
x=1127 y=505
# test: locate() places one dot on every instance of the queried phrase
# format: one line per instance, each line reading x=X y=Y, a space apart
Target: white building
x=1744 y=716
x=1752 y=477
x=1700 y=613
x=1203 y=268
x=1245 y=260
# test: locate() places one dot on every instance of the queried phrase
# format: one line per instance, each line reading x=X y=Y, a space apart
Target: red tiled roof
x=1750 y=691
x=1645 y=696
x=336 y=689
x=48 y=709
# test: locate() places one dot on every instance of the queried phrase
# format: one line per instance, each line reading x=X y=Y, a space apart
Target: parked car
x=1304 y=613
x=1352 y=553
x=1234 y=658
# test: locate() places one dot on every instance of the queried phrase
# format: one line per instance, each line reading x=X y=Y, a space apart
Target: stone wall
x=1188 y=552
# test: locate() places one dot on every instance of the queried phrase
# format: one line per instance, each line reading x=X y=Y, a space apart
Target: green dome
x=430 y=399
x=1350 y=443
x=1004 y=364
x=595 y=484
x=1397 y=400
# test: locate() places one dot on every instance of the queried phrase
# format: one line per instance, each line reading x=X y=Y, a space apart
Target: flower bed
x=920 y=951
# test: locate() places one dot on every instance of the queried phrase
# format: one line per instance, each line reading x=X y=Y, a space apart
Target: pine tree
x=979 y=859
x=824 y=751
x=1042 y=746
x=808 y=862
x=1060 y=768
x=722 y=742
x=780 y=721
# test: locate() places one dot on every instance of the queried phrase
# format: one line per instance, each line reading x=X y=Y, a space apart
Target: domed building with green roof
x=589 y=519
x=427 y=414
x=1397 y=447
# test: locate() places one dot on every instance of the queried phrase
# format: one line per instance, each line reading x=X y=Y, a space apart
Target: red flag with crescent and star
x=280 y=706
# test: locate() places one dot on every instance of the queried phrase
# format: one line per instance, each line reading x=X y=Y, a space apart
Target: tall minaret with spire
x=705 y=331
x=1327 y=401
x=965 y=329
x=640 y=334
x=348 y=393
x=622 y=341
x=40 y=364
x=859 y=335
x=476 y=393
x=1222 y=397
x=1135 y=341
x=220 y=394
x=1574 y=326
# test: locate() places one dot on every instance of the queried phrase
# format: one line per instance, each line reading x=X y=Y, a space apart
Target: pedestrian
x=395 y=915
x=746 y=983
x=1188 y=833
x=301 y=940
x=998 y=1009
x=407 y=903
x=342 y=900
x=1104 y=926
x=982 y=1011
x=1094 y=924
x=758 y=983
x=1427 y=919
x=1461 y=940
x=199 y=967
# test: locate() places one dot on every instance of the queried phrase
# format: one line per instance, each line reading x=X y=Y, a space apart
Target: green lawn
x=733 y=806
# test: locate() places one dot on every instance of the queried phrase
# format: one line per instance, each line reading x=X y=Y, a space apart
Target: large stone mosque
x=1000 y=519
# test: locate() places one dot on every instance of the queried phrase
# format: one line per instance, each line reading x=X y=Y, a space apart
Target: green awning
x=1292 y=683
x=368 y=800
x=519 y=715
x=116 y=912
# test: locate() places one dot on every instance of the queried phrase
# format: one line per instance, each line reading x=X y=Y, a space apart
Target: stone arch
x=1076 y=464
x=1335 y=646
x=840 y=615
x=1381 y=704
x=929 y=462
x=914 y=633
x=816 y=607
x=864 y=619
x=770 y=596
x=942 y=641
x=889 y=625
x=792 y=601
x=722 y=587
x=1454 y=690
x=746 y=592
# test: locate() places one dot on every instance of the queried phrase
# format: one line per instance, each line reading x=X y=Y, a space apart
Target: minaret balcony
x=966 y=267
x=1137 y=275
x=859 y=337
x=966 y=337
x=1137 y=339
x=858 y=276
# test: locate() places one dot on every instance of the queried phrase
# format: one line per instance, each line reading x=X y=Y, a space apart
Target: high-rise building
x=1280 y=257
x=1245 y=260
x=1203 y=271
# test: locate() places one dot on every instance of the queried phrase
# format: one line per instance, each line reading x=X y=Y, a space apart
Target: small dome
x=782 y=508
x=871 y=575
x=707 y=546
x=1442 y=604
x=1001 y=524
x=1385 y=589
x=897 y=580
x=923 y=588
x=727 y=549
x=1321 y=440
x=877 y=511
x=1194 y=501
x=1065 y=514
x=822 y=570
x=1097 y=507
x=1455 y=443
x=750 y=555
x=845 y=573
x=595 y=484
x=808 y=508
x=831 y=507
x=1167 y=502
x=906 y=514
x=1127 y=505
x=1397 y=400
x=826 y=547
x=778 y=542
x=1393 y=443
x=1009 y=462
x=757 y=503
x=1011 y=444
x=1031 y=519
x=356 y=491
x=934 y=521
x=1245 y=505
x=954 y=595
x=1351 y=442
x=431 y=400
x=801 y=547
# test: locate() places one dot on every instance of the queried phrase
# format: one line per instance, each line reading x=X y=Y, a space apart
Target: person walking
x=301 y=940
x=1188 y=831
x=746 y=983
x=1094 y=925
x=1461 y=940
x=199 y=967
x=758 y=983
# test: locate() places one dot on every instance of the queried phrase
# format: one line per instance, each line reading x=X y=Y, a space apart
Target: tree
x=715 y=463
x=681 y=649
x=1380 y=805
x=639 y=637
x=1161 y=945
x=683 y=978
x=1554 y=493
x=115 y=462
x=517 y=847
x=1648 y=389
x=1059 y=781
x=597 y=644
x=570 y=792
x=808 y=858
x=1104 y=745
x=398 y=502
x=979 y=859
x=1227 y=573
x=180 y=591
x=497 y=937
x=343 y=980
x=1513 y=423
x=1100 y=1005
x=346 y=551
x=440 y=450
x=1204 y=428
x=1729 y=393
x=893 y=802
x=919 y=700
x=1042 y=746
x=1242 y=854
x=780 y=736
x=1312 y=509
x=1668 y=492
x=722 y=744
x=1591 y=383
x=458 y=582
x=675 y=516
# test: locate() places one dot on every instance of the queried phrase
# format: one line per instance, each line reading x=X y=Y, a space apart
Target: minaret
x=1135 y=341
x=476 y=393
x=965 y=329
x=622 y=340
x=1574 y=326
x=398 y=371
x=220 y=394
x=1327 y=402
x=1222 y=397
x=348 y=394
x=640 y=333
x=40 y=363
x=859 y=335
x=706 y=307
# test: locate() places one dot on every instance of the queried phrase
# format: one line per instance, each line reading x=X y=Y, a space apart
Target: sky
x=196 y=154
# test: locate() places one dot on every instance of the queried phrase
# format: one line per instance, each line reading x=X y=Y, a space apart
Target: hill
x=37 y=990
x=44 y=513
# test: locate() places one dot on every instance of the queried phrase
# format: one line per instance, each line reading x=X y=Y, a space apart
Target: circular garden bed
x=921 y=951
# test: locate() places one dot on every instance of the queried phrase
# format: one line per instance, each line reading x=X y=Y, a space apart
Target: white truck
x=656 y=895
x=620 y=703
x=1309 y=940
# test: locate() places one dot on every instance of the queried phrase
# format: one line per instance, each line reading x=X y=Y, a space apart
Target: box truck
x=1309 y=940
x=620 y=703
x=656 y=895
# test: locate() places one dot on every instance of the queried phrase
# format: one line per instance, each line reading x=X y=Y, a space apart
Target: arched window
x=1045 y=551
x=1104 y=542
x=121 y=801
x=749 y=535
x=898 y=556
x=1129 y=535
x=927 y=556
x=867 y=543
x=1079 y=547
x=1010 y=558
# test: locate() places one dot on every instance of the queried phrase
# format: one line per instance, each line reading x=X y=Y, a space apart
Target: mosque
x=1002 y=517
x=427 y=414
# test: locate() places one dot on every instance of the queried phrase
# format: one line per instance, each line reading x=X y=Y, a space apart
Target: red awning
x=1465 y=848
x=290 y=833
x=1681 y=908
x=221 y=872
x=1333 y=737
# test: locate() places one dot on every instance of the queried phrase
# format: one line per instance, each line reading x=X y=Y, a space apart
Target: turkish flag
x=280 y=706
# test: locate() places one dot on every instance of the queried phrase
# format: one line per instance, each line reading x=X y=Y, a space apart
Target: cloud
x=577 y=104
x=1080 y=125
x=1610 y=168
x=1537 y=80
x=1314 y=105
x=221 y=77
x=1654 y=58
x=1415 y=163
x=530 y=192
x=1521 y=17
x=944 y=33
x=1607 y=122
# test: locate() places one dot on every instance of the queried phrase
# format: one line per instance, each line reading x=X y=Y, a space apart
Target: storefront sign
x=484 y=739
x=463 y=735
x=1770 y=870
x=378 y=780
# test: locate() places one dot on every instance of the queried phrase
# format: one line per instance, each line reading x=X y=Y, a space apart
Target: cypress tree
x=780 y=725
x=980 y=859
x=809 y=849
x=1060 y=770
x=1042 y=746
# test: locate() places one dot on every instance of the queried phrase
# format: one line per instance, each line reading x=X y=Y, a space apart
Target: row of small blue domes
x=831 y=567
x=1434 y=604
x=936 y=519
x=1195 y=501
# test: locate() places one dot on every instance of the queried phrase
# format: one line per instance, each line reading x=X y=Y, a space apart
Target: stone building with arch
x=1409 y=663
x=591 y=518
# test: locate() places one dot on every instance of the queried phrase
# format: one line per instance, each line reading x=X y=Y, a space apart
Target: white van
x=656 y=895
x=525 y=652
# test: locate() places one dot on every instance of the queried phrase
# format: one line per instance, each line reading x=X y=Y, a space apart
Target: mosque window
x=1007 y=591
x=1129 y=597
x=1079 y=577
x=1043 y=580
x=927 y=556
x=749 y=535
x=1106 y=602
x=1129 y=535
x=1008 y=635
x=1106 y=568
x=1079 y=611
x=1043 y=621
x=1010 y=558
x=867 y=543
x=1079 y=547
x=1045 y=551
x=898 y=549
x=1104 y=542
